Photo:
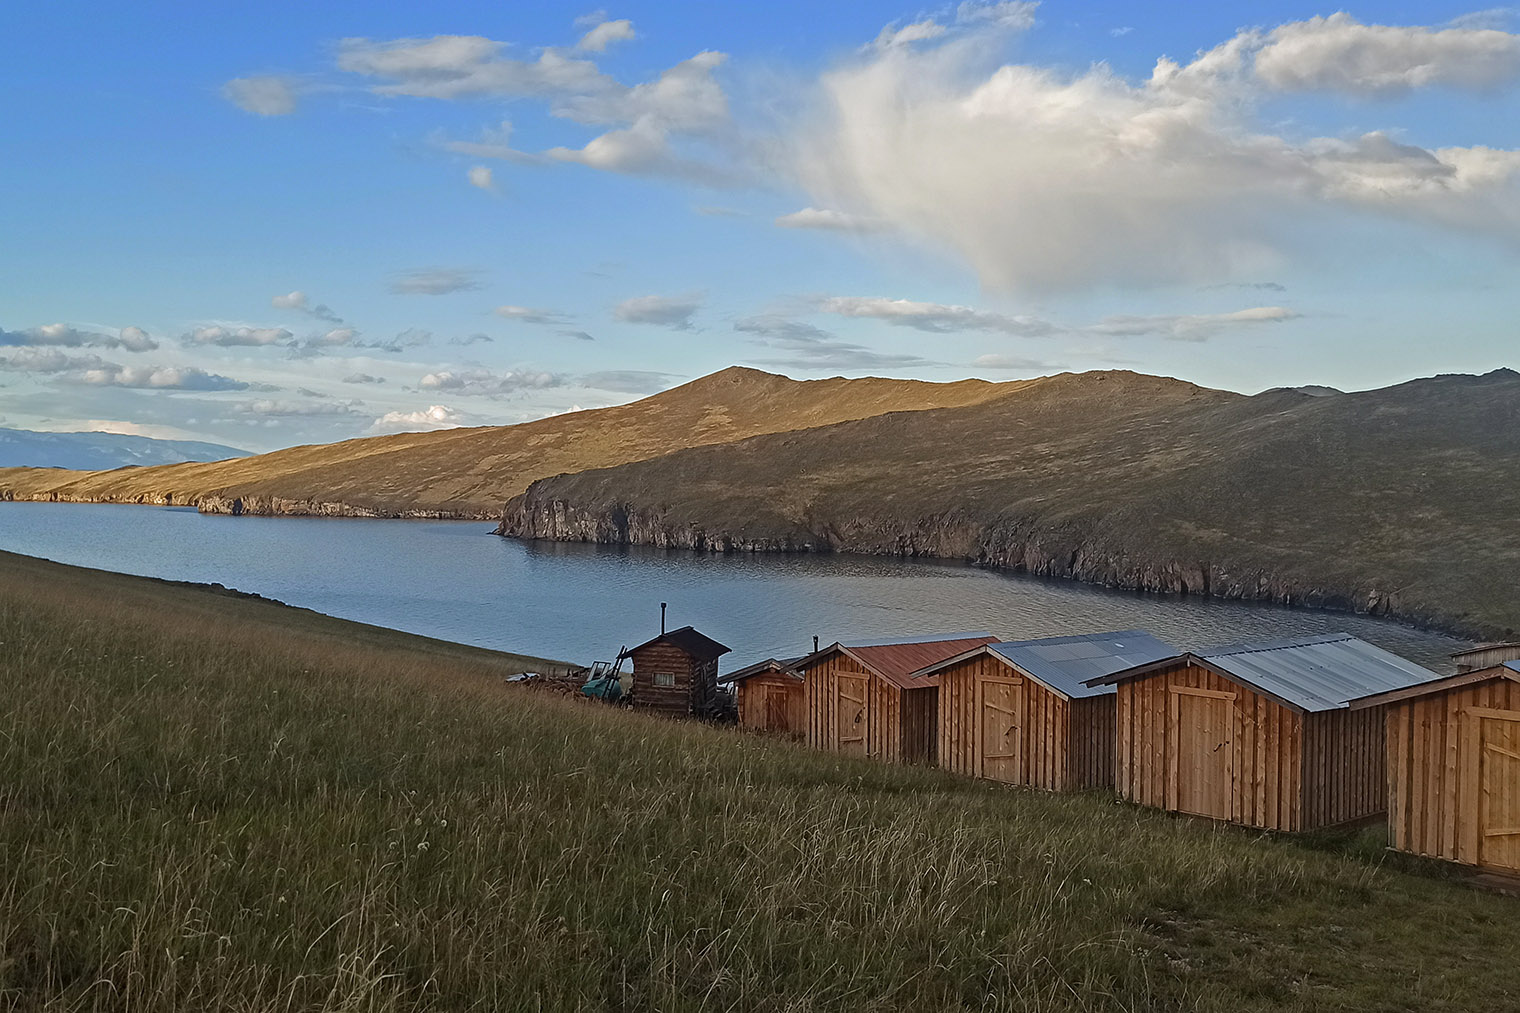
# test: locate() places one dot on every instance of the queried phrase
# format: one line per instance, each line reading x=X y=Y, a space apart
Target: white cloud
x=363 y=378
x=662 y=311
x=435 y=281
x=427 y=420
x=263 y=95
x=466 y=66
x=298 y=409
x=157 y=378
x=1190 y=327
x=1339 y=53
x=628 y=381
x=49 y=360
x=481 y=176
x=829 y=220
x=936 y=318
x=131 y=339
x=336 y=337
x=529 y=315
x=485 y=383
x=998 y=360
x=919 y=31
x=298 y=301
x=227 y=337
x=606 y=33
x=1015 y=15
x=1045 y=180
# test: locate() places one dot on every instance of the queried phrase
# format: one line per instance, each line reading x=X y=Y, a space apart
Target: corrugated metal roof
x=1515 y=665
x=787 y=666
x=897 y=660
x=1481 y=648
x=932 y=639
x=1066 y=663
x=1317 y=673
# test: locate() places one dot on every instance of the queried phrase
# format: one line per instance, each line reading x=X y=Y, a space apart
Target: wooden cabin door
x=777 y=713
x=1499 y=796
x=1201 y=765
x=850 y=711
x=1000 y=730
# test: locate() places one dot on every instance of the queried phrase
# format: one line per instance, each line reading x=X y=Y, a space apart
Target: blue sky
x=284 y=223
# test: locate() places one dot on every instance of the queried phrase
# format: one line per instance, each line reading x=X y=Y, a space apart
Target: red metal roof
x=896 y=663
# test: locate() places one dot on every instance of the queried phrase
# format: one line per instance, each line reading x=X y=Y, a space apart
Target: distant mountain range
x=1402 y=501
x=22 y=448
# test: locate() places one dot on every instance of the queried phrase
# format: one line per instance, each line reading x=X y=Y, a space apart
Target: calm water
x=457 y=581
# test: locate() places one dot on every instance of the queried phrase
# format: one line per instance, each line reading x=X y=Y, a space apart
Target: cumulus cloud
x=156 y=378
x=606 y=33
x=1339 y=53
x=228 y=337
x=425 y=420
x=1048 y=180
x=936 y=318
x=811 y=347
x=130 y=339
x=298 y=301
x=49 y=360
x=833 y=221
x=485 y=383
x=263 y=95
x=629 y=381
x=482 y=177
x=435 y=281
x=1190 y=327
x=662 y=311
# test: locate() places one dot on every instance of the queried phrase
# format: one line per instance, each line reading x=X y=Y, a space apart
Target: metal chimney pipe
x=815 y=643
x=662 y=619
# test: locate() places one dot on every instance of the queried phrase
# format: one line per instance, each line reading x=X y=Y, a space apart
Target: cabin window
x=664 y=679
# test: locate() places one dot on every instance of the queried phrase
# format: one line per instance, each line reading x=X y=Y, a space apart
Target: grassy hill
x=1399 y=501
x=202 y=810
x=472 y=472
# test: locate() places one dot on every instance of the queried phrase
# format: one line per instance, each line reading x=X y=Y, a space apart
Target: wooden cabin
x=862 y=699
x=1260 y=734
x=1485 y=656
x=1021 y=711
x=1454 y=767
x=676 y=673
x=770 y=698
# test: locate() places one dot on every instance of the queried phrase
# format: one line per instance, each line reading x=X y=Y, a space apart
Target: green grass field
x=210 y=803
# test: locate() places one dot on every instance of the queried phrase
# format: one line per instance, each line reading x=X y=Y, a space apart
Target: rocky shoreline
x=1021 y=547
x=260 y=506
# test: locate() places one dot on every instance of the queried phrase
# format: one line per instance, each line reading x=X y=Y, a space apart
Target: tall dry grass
x=199 y=814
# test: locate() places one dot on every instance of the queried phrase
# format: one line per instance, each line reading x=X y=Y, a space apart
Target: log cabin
x=861 y=697
x=1260 y=734
x=1021 y=711
x=676 y=673
x=769 y=697
x=1454 y=767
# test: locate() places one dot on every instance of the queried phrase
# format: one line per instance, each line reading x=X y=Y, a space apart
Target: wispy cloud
x=674 y=312
x=486 y=383
x=936 y=318
x=264 y=94
x=831 y=221
x=808 y=346
x=628 y=381
x=298 y=301
x=435 y=281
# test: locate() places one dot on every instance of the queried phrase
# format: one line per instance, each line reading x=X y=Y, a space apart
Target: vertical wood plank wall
x=1267 y=748
x=1091 y=737
x=1434 y=792
x=753 y=696
x=1064 y=745
x=676 y=700
x=899 y=723
x=1345 y=766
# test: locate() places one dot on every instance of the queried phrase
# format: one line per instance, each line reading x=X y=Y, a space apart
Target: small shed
x=862 y=699
x=769 y=697
x=1485 y=656
x=1454 y=767
x=1021 y=711
x=1260 y=734
x=676 y=673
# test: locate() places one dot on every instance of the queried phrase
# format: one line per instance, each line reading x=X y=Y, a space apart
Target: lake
x=457 y=581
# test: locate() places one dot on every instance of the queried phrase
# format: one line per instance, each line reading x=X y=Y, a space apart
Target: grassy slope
x=474 y=471
x=1403 y=497
x=200 y=815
